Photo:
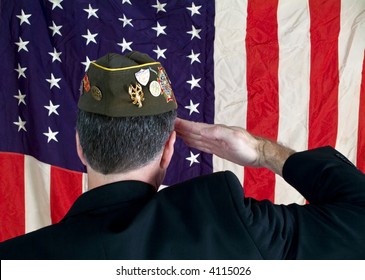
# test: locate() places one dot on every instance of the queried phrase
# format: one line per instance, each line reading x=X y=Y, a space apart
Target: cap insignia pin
x=96 y=93
x=143 y=76
x=86 y=83
x=165 y=84
x=155 y=88
x=136 y=94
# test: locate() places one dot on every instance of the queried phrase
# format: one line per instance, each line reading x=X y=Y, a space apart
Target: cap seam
x=124 y=68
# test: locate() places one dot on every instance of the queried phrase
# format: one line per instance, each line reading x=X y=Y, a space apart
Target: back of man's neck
x=147 y=174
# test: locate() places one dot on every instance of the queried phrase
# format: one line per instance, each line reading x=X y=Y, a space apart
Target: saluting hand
x=234 y=144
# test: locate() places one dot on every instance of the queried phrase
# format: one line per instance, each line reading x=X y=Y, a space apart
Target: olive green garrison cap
x=124 y=86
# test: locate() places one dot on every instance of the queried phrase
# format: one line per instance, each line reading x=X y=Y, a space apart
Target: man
x=125 y=137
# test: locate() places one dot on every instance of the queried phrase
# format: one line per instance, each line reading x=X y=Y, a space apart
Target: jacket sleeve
x=332 y=225
x=324 y=175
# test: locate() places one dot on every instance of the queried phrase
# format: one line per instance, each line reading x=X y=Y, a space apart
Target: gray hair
x=117 y=145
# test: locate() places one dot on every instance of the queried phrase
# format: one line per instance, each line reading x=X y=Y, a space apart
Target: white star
x=192 y=158
x=160 y=29
x=51 y=135
x=193 y=107
x=194 y=32
x=22 y=45
x=194 y=9
x=23 y=17
x=160 y=6
x=91 y=12
x=126 y=21
x=21 y=124
x=56 y=29
x=53 y=81
x=194 y=82
x=20 y=97
x=52 y=108
x=21 y=71
x=55 y=55
x=90 y=37
x=194 y=57
x=56 y=3
x=125 y=45
x=160 y=53
x=87 y=63
x=127 y=1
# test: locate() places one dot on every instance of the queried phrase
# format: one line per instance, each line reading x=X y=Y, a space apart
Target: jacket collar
x=109 y=195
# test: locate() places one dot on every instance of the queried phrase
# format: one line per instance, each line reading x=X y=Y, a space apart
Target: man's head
x=126 y=113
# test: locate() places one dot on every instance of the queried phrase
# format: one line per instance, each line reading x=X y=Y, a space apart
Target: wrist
x=273 y=155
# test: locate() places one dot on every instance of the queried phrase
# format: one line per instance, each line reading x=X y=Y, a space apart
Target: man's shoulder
x=214 y=179
x=217 y=185
x=28 y=246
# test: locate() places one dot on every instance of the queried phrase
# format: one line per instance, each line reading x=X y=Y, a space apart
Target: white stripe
x=294 y=80
x=351 y=45
x=37 y=194
x=230 y=70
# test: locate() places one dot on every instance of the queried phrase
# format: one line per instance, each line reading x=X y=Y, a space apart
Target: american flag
x=290 y=70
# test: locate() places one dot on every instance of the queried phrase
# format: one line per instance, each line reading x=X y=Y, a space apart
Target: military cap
x=124 y=86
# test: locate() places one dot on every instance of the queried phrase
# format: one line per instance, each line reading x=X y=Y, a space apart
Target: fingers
x=189 y=131
x=188 y=127
x=204 y=137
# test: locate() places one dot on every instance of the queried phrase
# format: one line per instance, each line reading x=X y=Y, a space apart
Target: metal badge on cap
x=155 y=88
x=143 y=76
x=86 y=83
x=136 y=94
x=165 y=84
x=96 y=93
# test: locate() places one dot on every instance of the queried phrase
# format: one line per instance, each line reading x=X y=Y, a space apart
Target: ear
x=80 y=152
x=168 y=151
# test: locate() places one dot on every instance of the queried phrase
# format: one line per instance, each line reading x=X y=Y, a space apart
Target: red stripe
x=324 y=76
x=66 y=186
x=12 y=209
x=262 y=48
x=361 y=132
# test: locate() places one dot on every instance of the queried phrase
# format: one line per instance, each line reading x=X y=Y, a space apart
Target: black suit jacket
x=209 y=218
